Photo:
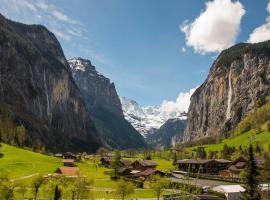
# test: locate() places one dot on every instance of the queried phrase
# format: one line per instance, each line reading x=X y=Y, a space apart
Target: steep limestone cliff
x=102 y=101
x=37 y=89
x=238 y=78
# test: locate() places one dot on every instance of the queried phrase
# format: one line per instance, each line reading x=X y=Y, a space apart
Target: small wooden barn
x=68 y=171
x=143 y=165
x=69 y=163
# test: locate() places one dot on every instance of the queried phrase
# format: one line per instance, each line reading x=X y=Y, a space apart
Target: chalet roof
x=126 y=163
x=68 y=171
x=223 y=161
x=68 y=161
x=123 y=169
x=146 y=163
x=239 y=159
x=148 y=172
x=229 y=188
x=69 y=154
x=240 y=165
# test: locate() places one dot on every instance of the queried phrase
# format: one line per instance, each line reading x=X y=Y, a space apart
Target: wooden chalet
x=143 y=165
x=68 y=171
x=209 y=166
x=69 y=163
x=236 y=167
x=69 y=155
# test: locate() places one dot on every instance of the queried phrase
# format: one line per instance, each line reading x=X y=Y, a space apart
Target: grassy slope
x=263 y=139
x=17 y=162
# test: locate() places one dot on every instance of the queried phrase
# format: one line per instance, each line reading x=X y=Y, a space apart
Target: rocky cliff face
x=239 y=77
x=169 y=134
x=103 y=103
x=96 y=88
x=37 y=89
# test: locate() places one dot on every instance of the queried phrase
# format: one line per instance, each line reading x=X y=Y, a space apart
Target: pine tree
x=57 y=193
x=252 y=191
x=240 y=148
x=174 y=158
x=116 y=163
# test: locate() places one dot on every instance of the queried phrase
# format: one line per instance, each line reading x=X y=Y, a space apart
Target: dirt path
x=25 y=177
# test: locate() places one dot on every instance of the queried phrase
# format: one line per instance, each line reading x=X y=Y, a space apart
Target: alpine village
x=66 y=134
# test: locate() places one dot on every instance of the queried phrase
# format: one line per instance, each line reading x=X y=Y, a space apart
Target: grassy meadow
x=243 y=139
x=17 y=163
x=22 y=166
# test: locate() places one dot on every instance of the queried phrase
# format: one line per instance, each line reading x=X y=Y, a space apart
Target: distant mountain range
x=147 y=119
x=160 y=127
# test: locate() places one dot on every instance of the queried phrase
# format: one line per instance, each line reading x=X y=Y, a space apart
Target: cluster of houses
x=69 y=168
x=221 y=167
x=138 y=169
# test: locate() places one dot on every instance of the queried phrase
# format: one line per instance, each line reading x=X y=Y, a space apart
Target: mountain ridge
x=102 y=101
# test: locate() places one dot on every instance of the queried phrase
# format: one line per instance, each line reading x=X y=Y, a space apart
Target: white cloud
x=74 y=32
x=180 y=105
x=62 y=17
x=42 y=12
x=216 y=28
x=261 y=33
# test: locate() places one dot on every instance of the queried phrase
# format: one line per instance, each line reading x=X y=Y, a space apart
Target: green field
x=244 y=140
x=23 y=165
x=17 y=163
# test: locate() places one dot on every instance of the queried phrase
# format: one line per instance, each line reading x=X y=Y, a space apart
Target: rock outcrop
x=37 y=89
x=102 y=101
x=238 y=78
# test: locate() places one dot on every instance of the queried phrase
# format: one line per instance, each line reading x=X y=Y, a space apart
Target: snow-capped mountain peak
x=147 y=119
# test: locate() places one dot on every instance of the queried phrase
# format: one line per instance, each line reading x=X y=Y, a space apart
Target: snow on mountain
x=147 y=119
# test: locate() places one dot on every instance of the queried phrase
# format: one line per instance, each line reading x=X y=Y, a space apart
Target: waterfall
x=228 y=113
x=46 y=92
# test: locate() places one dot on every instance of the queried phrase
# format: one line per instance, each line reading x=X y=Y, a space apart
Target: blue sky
x=139 y=44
